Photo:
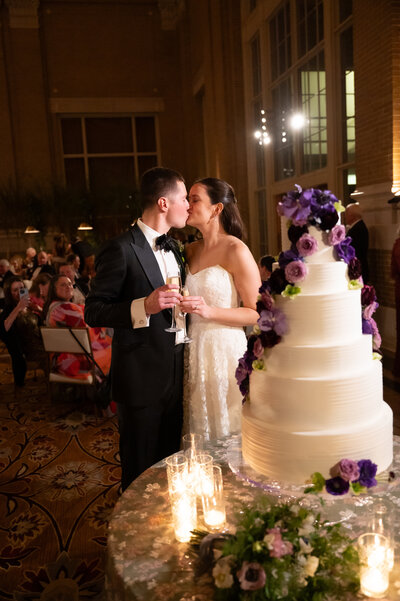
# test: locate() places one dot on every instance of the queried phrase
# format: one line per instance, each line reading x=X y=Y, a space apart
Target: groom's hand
x=162 y=298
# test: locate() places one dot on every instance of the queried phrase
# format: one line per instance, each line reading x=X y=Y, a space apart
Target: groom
x=129 y=294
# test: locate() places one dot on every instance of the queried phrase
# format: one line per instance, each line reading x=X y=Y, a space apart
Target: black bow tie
x=164 y=242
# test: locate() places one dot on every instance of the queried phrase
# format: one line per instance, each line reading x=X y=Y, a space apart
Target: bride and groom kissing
x=129 y=294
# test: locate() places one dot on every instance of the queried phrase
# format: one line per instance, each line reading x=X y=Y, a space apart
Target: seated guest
x=30 y=262
x=265 y=266
x=77 y=295
x=59 y=310
x=86 y=254
x=38 y=293
x=5 y=274
x=82 y=283
x=19 y=329
x=43 y=265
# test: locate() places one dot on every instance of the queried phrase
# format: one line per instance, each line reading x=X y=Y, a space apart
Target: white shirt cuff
x=138 y=314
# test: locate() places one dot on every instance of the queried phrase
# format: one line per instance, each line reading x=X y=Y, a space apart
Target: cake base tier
x=294 y=456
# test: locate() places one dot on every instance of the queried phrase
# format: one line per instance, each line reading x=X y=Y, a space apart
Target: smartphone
x=23 y=292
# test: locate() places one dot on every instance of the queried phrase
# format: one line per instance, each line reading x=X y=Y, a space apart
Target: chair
x=61 y=340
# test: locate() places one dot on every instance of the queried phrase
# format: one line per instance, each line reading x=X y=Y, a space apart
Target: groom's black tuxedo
x=146 y=367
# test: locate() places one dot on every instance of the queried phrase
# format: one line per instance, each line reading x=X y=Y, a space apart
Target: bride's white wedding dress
x=212 y=400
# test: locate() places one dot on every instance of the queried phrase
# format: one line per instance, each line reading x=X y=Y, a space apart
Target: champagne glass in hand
x=175 y=280
x=186 y=339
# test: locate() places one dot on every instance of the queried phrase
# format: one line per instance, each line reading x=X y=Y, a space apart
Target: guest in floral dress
x=60 y=311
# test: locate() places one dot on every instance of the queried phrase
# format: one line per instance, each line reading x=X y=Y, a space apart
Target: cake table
x=146 y=563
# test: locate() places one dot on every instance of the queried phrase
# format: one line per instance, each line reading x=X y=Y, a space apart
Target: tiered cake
x=318 y=397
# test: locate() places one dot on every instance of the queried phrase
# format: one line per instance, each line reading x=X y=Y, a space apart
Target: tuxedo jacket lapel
x=146 y=257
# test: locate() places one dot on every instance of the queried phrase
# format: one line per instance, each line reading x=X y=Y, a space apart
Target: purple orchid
x=344 y=250
x=367 y=473
x=273 y=320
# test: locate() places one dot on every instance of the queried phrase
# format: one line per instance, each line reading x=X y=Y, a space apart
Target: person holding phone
x=19 y=328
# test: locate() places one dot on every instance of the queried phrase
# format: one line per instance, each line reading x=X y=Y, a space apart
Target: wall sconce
x=31 y=229
x=84 y=227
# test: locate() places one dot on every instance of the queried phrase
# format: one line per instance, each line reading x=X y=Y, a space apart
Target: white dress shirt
x=167 y=264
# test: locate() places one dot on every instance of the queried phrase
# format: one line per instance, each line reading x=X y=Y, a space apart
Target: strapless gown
x=212 y=400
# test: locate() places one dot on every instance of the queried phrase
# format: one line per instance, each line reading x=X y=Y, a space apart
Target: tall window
x=348 y=95
x=312 y=87
x=282 y=136
x=310 y=25
x=281 y=48
x=101 y=152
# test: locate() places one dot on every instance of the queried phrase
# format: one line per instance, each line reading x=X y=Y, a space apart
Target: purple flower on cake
x=367 y=473
x=295 y=232
x=273 y=320
x=242 y=371
x=307 y=245
x=370 y=310
x=327 y=218
x=269 y=339
x=368 y=295
x=251 y=576
x=265 y=301
x=277 y=546
x=295 y=205
x=336 y=235
x=296 y=271
x=347 y=469
x=258 y=349
x=344 y=250
x=354 y=269
x=337 y=486
x=287 y=257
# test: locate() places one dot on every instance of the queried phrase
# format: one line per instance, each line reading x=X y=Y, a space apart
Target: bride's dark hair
x=220 y=191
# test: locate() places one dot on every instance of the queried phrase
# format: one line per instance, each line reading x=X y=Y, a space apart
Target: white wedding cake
x=315 y=397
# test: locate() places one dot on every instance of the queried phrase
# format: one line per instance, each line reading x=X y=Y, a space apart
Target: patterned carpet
x=59 y=481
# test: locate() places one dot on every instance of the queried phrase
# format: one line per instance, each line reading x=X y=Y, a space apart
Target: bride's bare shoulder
x=193 y=248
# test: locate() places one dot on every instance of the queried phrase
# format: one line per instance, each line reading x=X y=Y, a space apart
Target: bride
x=221 y=272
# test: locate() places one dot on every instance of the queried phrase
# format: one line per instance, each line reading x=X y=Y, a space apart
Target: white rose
x=269 y=540
x=304 y=547
x=307 y=526
x=311 y=565
x=222 y=574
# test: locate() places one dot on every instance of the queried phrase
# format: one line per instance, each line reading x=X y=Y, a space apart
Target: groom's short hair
x=157 y=182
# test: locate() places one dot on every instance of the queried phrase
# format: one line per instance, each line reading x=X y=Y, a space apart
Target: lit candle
x=375 y=557
x=184 y=514
x=214 y=518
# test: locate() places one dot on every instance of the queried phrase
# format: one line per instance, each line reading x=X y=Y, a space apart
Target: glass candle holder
x=192 y=441
x=375 y=557
x=382 y=521
x=177 y=473
x=200 y=471
x=184 y=513
x=214 y=503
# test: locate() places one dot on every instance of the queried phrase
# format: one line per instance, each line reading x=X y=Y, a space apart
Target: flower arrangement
x=302 y=208
x=280 y=551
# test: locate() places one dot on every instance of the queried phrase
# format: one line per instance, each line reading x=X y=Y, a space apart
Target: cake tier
x=322 y=319
x=315 y=403
x=317 y=360
x=292 y=456
x=325 y=278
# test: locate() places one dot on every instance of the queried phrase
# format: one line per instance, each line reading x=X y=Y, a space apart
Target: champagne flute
x=175 y=279
x=186 y=339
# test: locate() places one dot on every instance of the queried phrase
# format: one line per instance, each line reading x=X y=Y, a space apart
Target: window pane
x=280 y=42
x=75 y=174
x=107 y=135
x=256 y=65
x=345 y=9
x=145 y=134
x=71 y=136
x=310 y=24
x=111 y=172
x=347 y=94
x=282 y=137
x=146 y=162
x=262 y=221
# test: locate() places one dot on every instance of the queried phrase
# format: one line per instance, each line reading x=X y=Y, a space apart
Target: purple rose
x=277 y=281
x=295 y=232
x=367 y=473
x=241 y=371
x=251 y=576
x=347 y=469
x=344 y=250
x=328 y=218
x=307 y=245
x=368 y=295
x=337 y=486
x=269 y=339
x=287 y=257
x=258 y=348
x=354 y=269
x=337 y=234
x=296 y=271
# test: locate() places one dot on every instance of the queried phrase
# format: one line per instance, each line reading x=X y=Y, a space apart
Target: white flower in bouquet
x=311 y=565
x=222 y=573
